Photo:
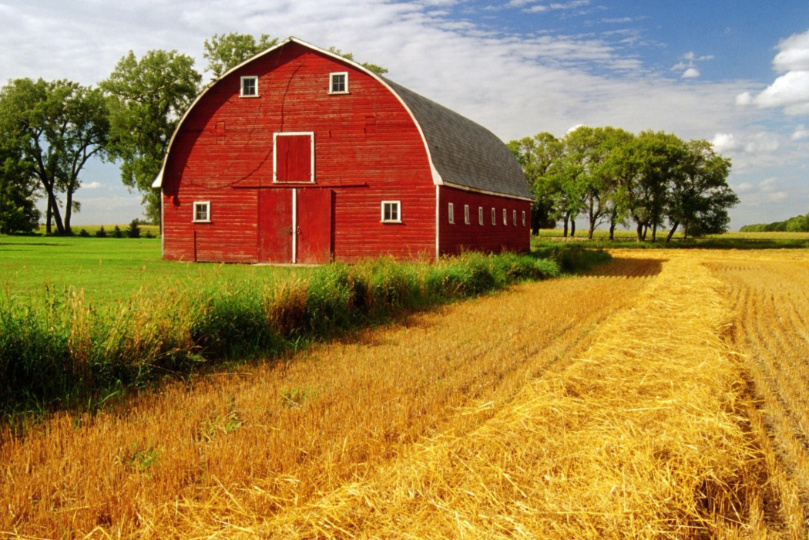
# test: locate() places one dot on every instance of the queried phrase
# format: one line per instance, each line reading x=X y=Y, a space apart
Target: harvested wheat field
x=657 y=397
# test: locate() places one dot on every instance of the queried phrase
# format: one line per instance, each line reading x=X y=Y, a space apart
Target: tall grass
x=62 y=350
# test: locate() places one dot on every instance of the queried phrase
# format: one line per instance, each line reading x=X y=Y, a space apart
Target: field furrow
x=252 y=443
x=771 y=307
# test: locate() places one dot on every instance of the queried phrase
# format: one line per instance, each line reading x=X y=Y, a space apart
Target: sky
x=734 y=72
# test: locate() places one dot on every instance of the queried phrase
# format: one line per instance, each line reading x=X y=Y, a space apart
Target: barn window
x=514 y=217
x=523 y=218
x=451 y=213
x=391 y=212
x=249 y=87
x=294 y=157
x=505 y=216
x=494 y=217
x=466 y=214
x=202 y=212
x=480 y=215
x=338 y=83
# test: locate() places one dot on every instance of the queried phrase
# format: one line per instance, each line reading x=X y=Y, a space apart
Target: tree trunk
x=572 y=227
x=612 y=229
x=68 y=211
x=564 y=234
x=654 y=232
x=639 y=232
x=48 y=218
x=671 y=232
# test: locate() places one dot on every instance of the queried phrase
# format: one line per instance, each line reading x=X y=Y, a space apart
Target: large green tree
x=536 y=155
x=54 y=128
x=18 y=211
x=148 y=96
x=699 y=197
x=226 y=51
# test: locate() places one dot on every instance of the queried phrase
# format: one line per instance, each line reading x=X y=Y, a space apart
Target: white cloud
x=690 y=73
x=92 y=185
x=799 y=133
x=725 y=142
x=790 y=90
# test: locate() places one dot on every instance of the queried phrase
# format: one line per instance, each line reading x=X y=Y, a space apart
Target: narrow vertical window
x=523 y=218
x=480 y=215
x=505 y=216
x=338 y=83
x=391 y=212
x=249 y=87
x=466 y=214
x=494 y=217
x=514 y=217
x=202 y=212
x=450 y=213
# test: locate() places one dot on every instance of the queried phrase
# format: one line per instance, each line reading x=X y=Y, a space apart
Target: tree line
x=612 y=177
x=793 y=224
x=49 y=130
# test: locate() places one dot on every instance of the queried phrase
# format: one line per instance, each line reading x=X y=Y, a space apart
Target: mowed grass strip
x=642 y=436
x=230 y=453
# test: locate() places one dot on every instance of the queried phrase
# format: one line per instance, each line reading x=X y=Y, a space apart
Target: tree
x=536 y=155
x=379 y=70
x=18 y=211
x=55 y=127
x=226 y=51
x=147 y=99
x=700 y=196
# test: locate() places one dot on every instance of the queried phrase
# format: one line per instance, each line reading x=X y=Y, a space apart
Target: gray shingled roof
x=464 y=153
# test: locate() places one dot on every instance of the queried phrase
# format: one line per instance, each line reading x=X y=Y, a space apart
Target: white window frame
x=514 y=217
x=392 y=204
x=253 y=78
x=451 y=213
x=201 y=204
x=523 y=218
x=505 y=216
x=480 y=215
x=275 y=136
x=466 y=219
x=332 y=77
x=494 y=217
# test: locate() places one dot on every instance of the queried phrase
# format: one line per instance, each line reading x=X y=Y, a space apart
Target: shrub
x=133 y=231
x=117 y=232
x=101 y=233
x=84 y=234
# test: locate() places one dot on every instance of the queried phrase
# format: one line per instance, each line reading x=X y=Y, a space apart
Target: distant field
x=729 y=240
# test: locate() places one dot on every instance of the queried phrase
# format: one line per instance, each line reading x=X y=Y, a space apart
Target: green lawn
x=107 y=269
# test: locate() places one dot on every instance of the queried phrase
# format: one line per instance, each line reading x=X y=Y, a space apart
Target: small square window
x=523 y=218
x=514 y=217
x=249 y=87
x=505 y=216
x=494 y=217
x=451 y=213
x=338 y=83
x=466 y=214
x=480 y=215
x=202 y=212
x=391 y=212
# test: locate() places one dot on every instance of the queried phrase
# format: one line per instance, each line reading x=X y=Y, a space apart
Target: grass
x=111 y=315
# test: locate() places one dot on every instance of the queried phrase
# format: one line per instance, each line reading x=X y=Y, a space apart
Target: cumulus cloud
x=688 y=65
x=790 y=90
x=799 y=133
x=690 y=73
x=92 y=185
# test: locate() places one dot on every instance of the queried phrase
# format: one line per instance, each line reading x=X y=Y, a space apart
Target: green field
x=108 y=269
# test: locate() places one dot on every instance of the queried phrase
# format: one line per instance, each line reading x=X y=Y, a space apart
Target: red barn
x=301 y=156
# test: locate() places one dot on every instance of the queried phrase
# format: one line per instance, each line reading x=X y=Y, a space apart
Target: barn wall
x=461 y=236
x=367 y=149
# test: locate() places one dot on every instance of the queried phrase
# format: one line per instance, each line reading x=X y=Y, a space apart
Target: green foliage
x=101 y=233
x=116 y=233
x=147 y=98
x=133 y=231
x=226 y=51
x=793 y=224
x=613 y=176
x=60 y=348
x=84 y=234
x=48 y=132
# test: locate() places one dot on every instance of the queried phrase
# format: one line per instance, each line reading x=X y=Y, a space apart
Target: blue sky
x=732 y=72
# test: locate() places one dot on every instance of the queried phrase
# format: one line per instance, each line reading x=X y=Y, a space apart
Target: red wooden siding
x=367 y=149
x=457 y=237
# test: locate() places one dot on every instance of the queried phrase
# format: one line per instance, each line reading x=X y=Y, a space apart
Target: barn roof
x=465 y=154
x=462 y=154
